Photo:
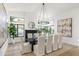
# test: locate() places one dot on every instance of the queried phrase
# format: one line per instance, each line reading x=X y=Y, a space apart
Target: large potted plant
x=12 y=31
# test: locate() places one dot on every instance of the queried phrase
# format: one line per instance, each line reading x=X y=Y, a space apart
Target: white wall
x=74 y=14
x=3 y=27
x=49 y=14
x=27 y=16
x=15 y=14
x=70 y=13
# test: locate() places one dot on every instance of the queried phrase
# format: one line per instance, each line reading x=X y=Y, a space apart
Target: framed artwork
x=65 y=27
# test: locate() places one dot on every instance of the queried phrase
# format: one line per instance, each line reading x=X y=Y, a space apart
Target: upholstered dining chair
x=60 y=43
x=49 y=44
x=39 y=48
x=26 y=47
x=55 y=42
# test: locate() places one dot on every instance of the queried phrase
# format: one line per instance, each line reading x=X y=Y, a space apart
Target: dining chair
x=55 y=42
x=26 y=47
x=60 y=41
x=49 y=44
x=39 y=48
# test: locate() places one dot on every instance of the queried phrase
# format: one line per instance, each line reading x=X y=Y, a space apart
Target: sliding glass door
x=20 y=30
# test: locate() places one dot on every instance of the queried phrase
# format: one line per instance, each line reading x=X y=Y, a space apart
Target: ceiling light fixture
x=43 y=12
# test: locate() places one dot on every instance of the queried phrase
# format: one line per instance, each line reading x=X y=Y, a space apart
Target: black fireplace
x=32 y=40
x=29 y=31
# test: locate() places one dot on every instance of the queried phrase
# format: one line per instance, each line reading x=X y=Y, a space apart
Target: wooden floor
x=67 y=50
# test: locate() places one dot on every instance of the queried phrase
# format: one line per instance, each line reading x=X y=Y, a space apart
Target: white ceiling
x=27 y=7
x=31 y=7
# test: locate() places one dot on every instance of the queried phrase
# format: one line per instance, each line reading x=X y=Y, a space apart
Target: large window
x=19 y=24
x=20 y=30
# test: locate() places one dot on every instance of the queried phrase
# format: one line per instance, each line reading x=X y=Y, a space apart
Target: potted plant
x=12 y=31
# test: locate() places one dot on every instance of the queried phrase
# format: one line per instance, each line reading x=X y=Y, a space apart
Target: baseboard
x=71 y=41
x=3 y=48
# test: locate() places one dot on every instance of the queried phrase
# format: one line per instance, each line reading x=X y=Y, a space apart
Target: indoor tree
x=12 y=30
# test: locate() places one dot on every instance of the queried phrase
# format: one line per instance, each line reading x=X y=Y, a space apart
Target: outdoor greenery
x=45 y=30
x=12 y=30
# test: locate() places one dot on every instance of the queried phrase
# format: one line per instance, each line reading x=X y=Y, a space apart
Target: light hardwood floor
x=67 y=50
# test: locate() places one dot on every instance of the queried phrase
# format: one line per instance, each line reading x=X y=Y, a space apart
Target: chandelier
x=43 y=15
x=45 y=23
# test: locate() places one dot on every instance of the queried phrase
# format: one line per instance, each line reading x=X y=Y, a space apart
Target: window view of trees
x=19 y=24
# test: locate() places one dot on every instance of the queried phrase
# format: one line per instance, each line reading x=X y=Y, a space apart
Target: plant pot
x=13 y=41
